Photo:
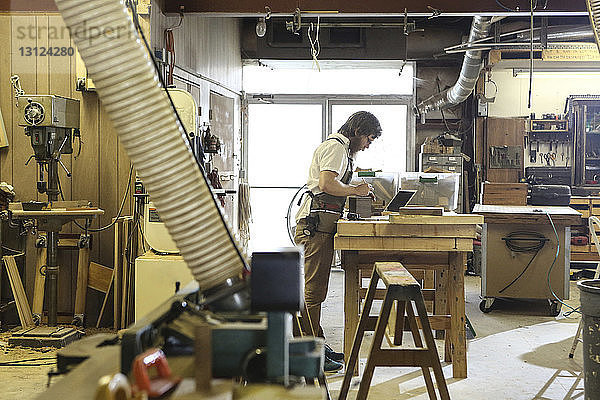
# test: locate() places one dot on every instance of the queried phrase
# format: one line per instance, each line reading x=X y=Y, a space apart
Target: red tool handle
x=163 y=382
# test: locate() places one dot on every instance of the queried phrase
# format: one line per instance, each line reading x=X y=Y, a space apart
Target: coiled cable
x=524 y=242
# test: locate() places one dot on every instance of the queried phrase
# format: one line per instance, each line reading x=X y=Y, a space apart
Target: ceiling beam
x=371 y=8
x=28 y=6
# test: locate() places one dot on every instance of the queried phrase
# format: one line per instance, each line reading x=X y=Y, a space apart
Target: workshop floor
x=519 y=353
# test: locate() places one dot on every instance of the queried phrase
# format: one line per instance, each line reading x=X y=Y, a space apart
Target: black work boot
x=331 y=365
x=332 y=355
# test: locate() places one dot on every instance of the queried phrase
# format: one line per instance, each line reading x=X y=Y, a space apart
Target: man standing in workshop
x=328 y=184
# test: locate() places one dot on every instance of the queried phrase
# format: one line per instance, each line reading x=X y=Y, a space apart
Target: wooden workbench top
x=407 y=219
x=449 y=232
x=562 y=215
x=408 y=228
x=67 y=210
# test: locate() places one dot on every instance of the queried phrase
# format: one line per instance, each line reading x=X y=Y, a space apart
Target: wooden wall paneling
x=6 y=96
x=109 y=196
x=23 y=177
x=86 y=173
x=86 y=182
x=74 y=188
x=500 y=132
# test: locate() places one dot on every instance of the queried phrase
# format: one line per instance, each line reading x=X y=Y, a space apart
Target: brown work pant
x=318 y=254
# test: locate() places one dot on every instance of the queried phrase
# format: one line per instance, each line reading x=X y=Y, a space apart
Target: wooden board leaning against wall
x=100 y=171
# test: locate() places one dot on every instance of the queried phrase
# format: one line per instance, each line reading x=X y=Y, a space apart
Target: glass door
x=281 y=141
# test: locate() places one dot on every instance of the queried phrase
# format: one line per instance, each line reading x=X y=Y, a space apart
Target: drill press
x=50 y=122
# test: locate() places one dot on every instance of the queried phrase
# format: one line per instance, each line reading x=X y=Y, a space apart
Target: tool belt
x=325 y=210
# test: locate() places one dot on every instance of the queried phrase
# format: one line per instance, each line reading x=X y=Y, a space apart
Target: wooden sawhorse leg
x=456 y=304
x=405 y=291
x=360 y=330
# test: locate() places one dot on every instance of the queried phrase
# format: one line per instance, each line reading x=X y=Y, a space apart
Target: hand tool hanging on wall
x=532 y=152
x=211 y=143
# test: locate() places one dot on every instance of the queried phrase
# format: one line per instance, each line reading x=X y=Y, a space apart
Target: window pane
x=269 y=227
x=388 y=152
x=281 y=140
x=328 y=81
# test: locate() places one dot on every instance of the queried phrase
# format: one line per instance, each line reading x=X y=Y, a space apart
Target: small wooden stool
x=400 y=286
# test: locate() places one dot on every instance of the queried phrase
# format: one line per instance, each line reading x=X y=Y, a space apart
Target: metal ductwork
x=469 y=73
x=148 y=129
x=562 y=34
x=594 y=12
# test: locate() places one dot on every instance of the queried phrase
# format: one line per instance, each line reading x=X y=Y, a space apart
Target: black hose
x=288 y=216
x=524 y=242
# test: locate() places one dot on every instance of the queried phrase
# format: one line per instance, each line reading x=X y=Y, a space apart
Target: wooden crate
x=506 y=194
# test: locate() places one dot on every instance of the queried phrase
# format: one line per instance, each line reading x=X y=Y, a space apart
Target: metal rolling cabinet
x=511 y=273
x=448 y=162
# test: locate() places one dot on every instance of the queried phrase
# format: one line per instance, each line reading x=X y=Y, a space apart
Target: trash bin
x=589 y=291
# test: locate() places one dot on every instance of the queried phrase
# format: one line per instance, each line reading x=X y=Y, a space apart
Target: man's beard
x=355 y=142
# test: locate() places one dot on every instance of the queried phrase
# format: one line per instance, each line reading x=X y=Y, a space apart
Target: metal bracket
x=435 y=12
x=295 y=24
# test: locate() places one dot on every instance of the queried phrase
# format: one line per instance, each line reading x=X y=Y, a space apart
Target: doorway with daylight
x=291 y=111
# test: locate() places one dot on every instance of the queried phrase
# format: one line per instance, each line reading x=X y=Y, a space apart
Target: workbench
x=420 y=242
x=515 y=273
x=50 y=219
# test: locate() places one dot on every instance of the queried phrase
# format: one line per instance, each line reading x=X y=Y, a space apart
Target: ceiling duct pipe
x=562 y=34
x=467 y=79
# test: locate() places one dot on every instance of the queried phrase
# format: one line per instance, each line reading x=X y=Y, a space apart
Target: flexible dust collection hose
x=140 y=111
